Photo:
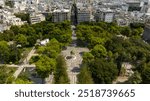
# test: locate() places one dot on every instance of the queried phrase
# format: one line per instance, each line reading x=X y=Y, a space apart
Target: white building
x=20 y=6
x=36 y=18
x=10 y=19
x=104 y=14
x=60 y=15
x=16 y=21
x=4 y=27
x=44 y=42
x=2 y=3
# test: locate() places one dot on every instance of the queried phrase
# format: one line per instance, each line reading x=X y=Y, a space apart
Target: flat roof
x=61 y=10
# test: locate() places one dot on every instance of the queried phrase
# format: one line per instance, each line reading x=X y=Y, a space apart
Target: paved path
x=24 y=64
x=49 y=80
x=17 y=66
x=74 y=63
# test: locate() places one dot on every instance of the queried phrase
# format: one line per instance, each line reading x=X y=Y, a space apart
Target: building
x=2 y=3
x=79 y=14
x=133 y=3
x=83 y=15
x=36 y=18
x=146 y=33
x=16 y=21
x=104 y=14
x=8 y=18
x=19 y=6
x=122 y=22
x=4 y=27
x=44 y=42
x=60 y=15
x=74 y=12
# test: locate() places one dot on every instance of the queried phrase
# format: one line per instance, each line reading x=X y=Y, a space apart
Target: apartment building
x=60 y=15
x=104 y=14
x=83 y=15
x=36 y=18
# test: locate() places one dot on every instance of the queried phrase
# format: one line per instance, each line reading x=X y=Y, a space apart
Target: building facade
x=36 y=18
x=146 y=33
x=83 y=15
x=105 y=14
x=60 y=15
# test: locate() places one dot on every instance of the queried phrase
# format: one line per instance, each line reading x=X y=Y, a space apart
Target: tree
x=23 y=16
x=4 y=51
x=84 y=77
x=126 y=31
x=135 y=78
x=23 y=30
x=52 y=49
x=55 y=45
x=41 y=49
x=103 y=71
x=87 y=57
x=49 y=17
x=99 y=51
x=21 y=39
x=6 y=75
x=61 y=76
x=31 y=40
x=137 y=25
x=96 y=41
x=15 y=29
x=3 y=75
x=21 y=81
x=8 y=35
x=137 y=32
x=45 y=66
x=146 y=75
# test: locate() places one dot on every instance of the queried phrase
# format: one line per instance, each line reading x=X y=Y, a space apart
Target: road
x=73 y=64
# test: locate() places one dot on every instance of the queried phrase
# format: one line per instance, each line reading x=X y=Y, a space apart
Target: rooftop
x=61 y=10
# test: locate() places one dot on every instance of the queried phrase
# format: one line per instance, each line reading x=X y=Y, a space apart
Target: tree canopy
x=146 y=74
x=27 y=35
x=45 y=66
x=61 y=76
x=84 y=77
x=110 y=45
x=6 y=75
x=103 y=71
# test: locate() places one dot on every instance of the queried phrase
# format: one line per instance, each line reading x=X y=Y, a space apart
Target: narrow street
x=75 y=62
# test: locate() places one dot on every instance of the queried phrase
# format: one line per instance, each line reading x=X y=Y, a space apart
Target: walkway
x=24 y=64
x=74 y=63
